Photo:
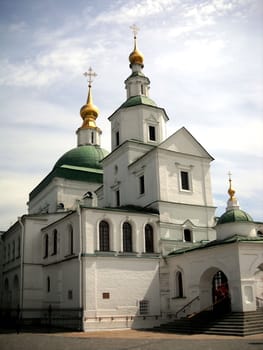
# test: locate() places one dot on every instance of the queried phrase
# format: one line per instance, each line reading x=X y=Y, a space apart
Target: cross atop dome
x=232 y=202
x=90 y=74
x=136 y=57
x=135 y=30
x=89 y=112
x=231 y=191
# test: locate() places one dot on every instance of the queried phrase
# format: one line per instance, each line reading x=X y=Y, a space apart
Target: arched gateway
x=214 y=291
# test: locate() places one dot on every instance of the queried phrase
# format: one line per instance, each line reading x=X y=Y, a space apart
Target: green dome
x=234 y=215
x=88 y=156
x=138 y=100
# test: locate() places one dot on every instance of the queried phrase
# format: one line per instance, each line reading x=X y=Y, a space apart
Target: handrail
x=185 y=306
x=208 y=307
x=259 y=303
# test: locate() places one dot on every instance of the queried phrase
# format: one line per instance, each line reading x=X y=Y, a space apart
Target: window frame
x=152 y=133
x=179 y=285
x=55 y=242
x=104 y=236
x=46 y=244
x=144 y=307
x=141 y=185
x=185 y=184
x=188 y=232
x=117 y=138
x=127 y=237
x=118 y=198
x=149 y=241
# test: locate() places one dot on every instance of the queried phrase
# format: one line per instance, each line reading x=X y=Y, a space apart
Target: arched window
x=7 y=296
x=16 y=283
x=104 y=236
x=55 y=242
x=13 y=250
x=149 y=246
x=70 y=240
x=187 y=235
x=6 y=284
x=127 y=237
x=179 y=290
x=15 y=295
x=48 y=284
x=46 y=246
x=18 y=247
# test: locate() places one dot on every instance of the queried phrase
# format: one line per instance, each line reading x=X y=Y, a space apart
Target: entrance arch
x=214 y=288
x=220 y=293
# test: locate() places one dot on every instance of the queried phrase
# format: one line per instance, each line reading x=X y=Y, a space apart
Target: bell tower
x=138 y=118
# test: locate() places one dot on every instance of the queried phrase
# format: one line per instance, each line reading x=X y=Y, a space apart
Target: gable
x=183 y=142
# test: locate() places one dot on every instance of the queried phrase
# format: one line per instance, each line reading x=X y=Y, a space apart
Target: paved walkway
x=127 y=340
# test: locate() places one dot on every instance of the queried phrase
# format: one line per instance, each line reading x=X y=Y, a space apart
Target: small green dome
x=88 y=156
x=138 y=100
x=234 y=215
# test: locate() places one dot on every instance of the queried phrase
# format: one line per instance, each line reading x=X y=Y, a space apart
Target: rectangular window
x=117 y=138
x=152 y=135
x=18 y=248
x=70 y=294
x=144 y=307
x=13 y=250
x=105 y=295
x=117 y=198
x=185 y=180
x=142 y=189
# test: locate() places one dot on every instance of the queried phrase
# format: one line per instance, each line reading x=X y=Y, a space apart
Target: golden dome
x=231 y=191
x=89 y=112
x=136 y=57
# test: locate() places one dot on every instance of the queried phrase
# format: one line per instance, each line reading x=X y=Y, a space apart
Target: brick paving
x=127 y=340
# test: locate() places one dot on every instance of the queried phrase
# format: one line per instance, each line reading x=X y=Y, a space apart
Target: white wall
x=60 y=190
x=128 y=281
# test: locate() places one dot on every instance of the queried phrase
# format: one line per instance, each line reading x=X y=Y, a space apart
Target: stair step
x=236 y=323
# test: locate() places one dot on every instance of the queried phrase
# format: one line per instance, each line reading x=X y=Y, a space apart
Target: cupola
x=89 y=133
x=136 y=57
x=234 y=221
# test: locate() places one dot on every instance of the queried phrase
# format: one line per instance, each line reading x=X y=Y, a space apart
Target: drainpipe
x=80 y=259
x=21 y=291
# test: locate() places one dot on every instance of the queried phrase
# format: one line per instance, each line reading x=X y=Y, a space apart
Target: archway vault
x=206 y=286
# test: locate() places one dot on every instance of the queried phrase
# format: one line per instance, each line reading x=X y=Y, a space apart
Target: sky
x=204 y=59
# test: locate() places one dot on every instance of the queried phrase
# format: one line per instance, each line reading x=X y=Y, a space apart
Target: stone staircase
x=234 y=323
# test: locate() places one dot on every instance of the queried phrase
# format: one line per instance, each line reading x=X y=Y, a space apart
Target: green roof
x=138 y=100
x=82 y=163
x=234 y=215
x=232 y=239
x=70 y=173
x=88 y=156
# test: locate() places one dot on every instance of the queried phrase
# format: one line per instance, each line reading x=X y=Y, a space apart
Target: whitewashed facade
x=134 y=247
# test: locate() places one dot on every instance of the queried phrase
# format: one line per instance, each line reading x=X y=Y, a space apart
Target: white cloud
x=135 y=11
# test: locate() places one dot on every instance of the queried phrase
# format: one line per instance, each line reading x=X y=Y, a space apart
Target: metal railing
x=183 y=309
x=259 y=303
x=46 y=319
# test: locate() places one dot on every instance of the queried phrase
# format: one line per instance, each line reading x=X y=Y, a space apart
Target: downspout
x=21 y=291
x=80 y=261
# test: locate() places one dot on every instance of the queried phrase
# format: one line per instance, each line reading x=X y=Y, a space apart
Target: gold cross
x=229 y=176
x=135 y=29
x=90 y=74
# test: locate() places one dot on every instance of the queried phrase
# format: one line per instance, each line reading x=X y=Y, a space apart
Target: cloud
x=135 y=11
x=203 y=59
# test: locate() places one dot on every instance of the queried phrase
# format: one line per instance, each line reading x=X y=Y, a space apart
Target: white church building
x=130 y=237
